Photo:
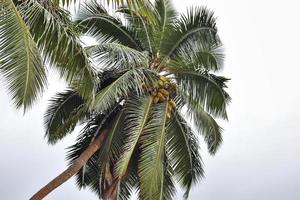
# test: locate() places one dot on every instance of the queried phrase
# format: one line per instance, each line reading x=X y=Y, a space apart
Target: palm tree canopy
x=149 y=70
x=151 y=78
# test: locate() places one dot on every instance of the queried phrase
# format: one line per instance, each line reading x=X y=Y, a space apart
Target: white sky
x=260 y=156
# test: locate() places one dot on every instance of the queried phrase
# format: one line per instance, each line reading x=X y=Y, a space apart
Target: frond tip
x=62 y=115
x=184 y=154
x=20 y=61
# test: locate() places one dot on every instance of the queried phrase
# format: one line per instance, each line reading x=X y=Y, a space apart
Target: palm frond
x=116 y=55
x=198 y=23
x=129 y=182
x=113 y=143
x=140 y=23
x=62 y=115
x=204 y=88
x=152 y=156
x=137 y=114
x=96 y=22
x=58 y=39
x=20 y=61
x=168 y=182
x=165 y=16
x=200 y=54
x=206 y=125
x=183 y=151
x=130 y=82
x=143 y=6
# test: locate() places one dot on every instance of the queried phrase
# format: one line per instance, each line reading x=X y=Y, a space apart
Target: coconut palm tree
x=155 y=90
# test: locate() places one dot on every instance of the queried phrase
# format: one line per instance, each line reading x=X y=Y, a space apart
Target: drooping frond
x=168 y=182
x=183 y=152
x=137 y=113
x=200 y=54
x=129 y=182
x=62 y=115
x=113 y=142
x=206 y=125
x=118 y=56
x=204 y=88
x=96 y=22
x=198 y=23
x=130 y=82
x=58 y=39
x=151 y=161
x=20 y=61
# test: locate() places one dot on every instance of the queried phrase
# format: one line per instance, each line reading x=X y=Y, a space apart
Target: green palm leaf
x=112 y=144
x=207 y=126
x=143 y=6
x=140 y=23
x=199 y=23
x=97 y=22
x=168 y=182
x=121 y=87
x=205 y=89
x=152 y=156
x=183 y=151
x=62 y=115
x=20 y=61
x=165 y=14
x=118 y=56
x=200 y=55
x=129 y=182
x=137 y=113
x=58 y=39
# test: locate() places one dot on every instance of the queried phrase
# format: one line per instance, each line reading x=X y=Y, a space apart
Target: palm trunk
x=71 y=170
x=110 y=193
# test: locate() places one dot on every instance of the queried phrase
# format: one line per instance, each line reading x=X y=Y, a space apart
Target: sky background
x=260 y=156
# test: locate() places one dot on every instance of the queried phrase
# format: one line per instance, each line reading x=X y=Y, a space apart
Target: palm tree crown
x=149 y=71
x=151 y=77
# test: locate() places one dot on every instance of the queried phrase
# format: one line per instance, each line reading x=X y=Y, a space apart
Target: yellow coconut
x=164 y=92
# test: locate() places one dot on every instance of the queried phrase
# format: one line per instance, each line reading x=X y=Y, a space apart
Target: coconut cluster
x=162 y=91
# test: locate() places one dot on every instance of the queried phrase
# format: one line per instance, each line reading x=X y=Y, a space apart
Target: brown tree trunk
x=71 y=170
x=110 y=193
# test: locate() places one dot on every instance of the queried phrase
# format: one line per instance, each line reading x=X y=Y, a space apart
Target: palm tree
x=152 y=77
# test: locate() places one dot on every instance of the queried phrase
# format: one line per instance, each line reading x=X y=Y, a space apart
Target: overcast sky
x=260 y=156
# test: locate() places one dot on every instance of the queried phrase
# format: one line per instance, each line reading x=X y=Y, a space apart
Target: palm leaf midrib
x=105 y=18
x=25 y=35
x=139 y=132
x=183 y=71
